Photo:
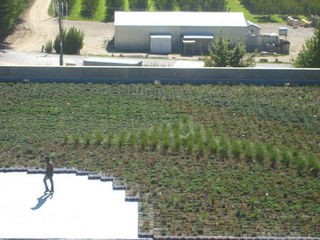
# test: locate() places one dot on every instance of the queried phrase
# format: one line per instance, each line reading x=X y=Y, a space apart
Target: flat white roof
x=78 y=209
x=160 y=36
x=208 y=19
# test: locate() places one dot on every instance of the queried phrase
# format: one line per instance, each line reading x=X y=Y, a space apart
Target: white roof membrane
x=213 y=19
x=79 y=208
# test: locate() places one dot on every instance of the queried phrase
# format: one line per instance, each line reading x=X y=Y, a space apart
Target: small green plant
x=236 y=149
x=274 y=157
x=76 y=139
x=109 y=140
x=154 y=138
x=286 y=158
x=143 y=139
x=260 y=153
x=87 y=140
x=249 y=153
x=300 y=163
x=65 y=138
x=313 y=165
x=48 y=46
x=99 y=138
x=122 y=139
x=132 y=140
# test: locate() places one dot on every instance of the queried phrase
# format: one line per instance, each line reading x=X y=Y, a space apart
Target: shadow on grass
x=265 y=19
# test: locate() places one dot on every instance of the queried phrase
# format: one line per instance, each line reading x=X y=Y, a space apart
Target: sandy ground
x=79 y=208
x=38 y=27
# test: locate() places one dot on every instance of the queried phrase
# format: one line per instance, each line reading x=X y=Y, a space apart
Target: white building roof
x=209 y=19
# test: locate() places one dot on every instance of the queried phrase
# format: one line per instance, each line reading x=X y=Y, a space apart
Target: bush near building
x=309 y=56
x=223 y=54
x=72 y=41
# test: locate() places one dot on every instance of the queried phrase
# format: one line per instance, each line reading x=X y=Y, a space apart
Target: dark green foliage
x=138 y=5
x=191 y=5
x=293 y=7
x=10 y=11
x=72 y=41
x=89 y=7
x=48 y=47
x=203 y=5
x=309 y=56
x=223 y=54
x=112 y=6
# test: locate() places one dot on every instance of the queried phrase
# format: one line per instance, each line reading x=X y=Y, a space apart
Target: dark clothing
x=49 y=175
x=46 y=177
x=49 y=169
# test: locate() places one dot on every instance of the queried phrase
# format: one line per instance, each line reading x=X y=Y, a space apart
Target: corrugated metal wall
x=137 y=38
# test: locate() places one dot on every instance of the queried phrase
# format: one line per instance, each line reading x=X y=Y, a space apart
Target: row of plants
x=297 y=7
x=194 y=139
x=164 y=5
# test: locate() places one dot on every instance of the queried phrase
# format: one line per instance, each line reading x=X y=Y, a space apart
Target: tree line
x=165 y=5
x=10 y=11
x=292 y=7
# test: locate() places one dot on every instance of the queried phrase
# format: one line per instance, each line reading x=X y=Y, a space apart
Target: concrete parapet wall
x=163 y=75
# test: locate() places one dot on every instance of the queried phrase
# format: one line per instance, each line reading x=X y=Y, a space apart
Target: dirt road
x=37 y=27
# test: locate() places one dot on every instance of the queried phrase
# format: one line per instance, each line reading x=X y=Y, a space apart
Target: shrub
x=99 y=138
x=87 y=140
x=309 y=56
x=236 y=149
x=110 y=139
x=72 y=41
x=132 y=139
x=260 y=153
x=286 y=158
x=223 y=54
x=313 y=165
x=122 y=139
x=48 y=46
x=274 y=156
x=248 y=151
x=143 y=139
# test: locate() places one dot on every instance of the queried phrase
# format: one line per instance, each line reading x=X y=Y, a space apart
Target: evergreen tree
x=223 y=54
x=309 y=56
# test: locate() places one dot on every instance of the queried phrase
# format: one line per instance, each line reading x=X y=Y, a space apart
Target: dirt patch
x=296 y=36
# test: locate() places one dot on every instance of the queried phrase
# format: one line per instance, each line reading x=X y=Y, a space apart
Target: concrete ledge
x=163 y=75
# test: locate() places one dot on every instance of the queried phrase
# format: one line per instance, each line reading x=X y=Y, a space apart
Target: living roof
x=203 y=19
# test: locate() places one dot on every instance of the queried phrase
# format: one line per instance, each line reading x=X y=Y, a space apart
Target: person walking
x=49 y=175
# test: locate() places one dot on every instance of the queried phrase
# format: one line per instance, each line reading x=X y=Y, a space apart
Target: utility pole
x=60 y=31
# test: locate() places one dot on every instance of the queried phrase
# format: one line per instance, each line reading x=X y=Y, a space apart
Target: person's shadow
x=42 y=200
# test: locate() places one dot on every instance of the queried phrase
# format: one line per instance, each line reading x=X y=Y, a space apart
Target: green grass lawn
x=205 y=160
x=236 y=6
x=75 y=13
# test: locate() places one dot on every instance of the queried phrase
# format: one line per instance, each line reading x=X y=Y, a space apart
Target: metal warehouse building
x=184 y=32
